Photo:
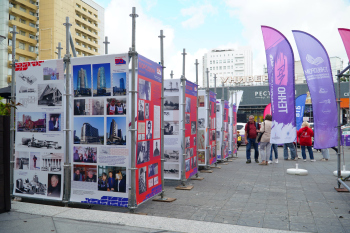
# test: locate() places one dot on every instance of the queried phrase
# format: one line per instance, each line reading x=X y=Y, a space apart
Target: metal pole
x=13 y=100
x=197 y=117
x=106 y=44
x=72 y=45
x=67 y=164
x=339 y=129
x=236 y=118
x=171 y=75
x=59 y=48
x=132 y=203
x=231 y=121
x=183 y=83
x=207 y=157
x=162 y=114
x=222 y=120
x=215 y=84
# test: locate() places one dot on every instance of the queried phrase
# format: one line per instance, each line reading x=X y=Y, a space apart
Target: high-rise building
x=82 y=80
x=113 y=130
x=101 y=78
x=89 y=134
x=40 y=28
x=227 y=63
x=121 y=84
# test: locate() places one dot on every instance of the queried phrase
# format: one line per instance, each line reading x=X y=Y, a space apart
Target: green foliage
x=5 y=108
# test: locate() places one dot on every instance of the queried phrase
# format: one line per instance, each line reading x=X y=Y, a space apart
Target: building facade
x=89 y=134
x=227 y=63
x=40 y=28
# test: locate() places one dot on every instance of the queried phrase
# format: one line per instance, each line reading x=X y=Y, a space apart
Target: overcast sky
x=199 y=26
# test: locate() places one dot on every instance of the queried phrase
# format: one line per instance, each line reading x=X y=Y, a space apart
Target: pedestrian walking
x=293 y=153
x=239 y=140
x=305 y=134
x=274 y=148
x=265 y=145
x=251 y=131
x=325 y=154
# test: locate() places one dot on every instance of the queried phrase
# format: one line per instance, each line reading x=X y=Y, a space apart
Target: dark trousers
x=251 y=142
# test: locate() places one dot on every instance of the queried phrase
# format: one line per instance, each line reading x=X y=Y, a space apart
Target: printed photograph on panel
x=112 y=179
x=152 y=169
x=50 y=94
x=39 y=141
x=143 y=152
x=116 y=106
x=188 y=153
x=22 y=160
x=171 y=86
x=171 y=103
x=201 y=122
x=85 y=173
x=141 y=114
x=97 y=106
x=28 y=79
x=79 y=107
x=148 y=130
x=142 y=180
x=116 y=130
x=89 y=130
x=194 y=141
x=194 y=162
x=31 y=185
x=101 y=79
x=31 y=122
x=188 y=104
x=171 y=128
x=119 y=84
x=156 y=120
x=147 y=111
x=188 y=164
x=218 y=108
x=193 y=127
x=82 y=80
x=201 y=137
x=201 y=157
x=50 y=73
x=171 y=154
x=156 y=148
x=55 y=122
x=144 y=90
x=201 y=100
x=188 y=142
x=172 y=170
x=213 y=150
x=34 y=160
x=54 y=185
x=84 y=154
x=212 y=135
x=187 y=118
x=52 y=162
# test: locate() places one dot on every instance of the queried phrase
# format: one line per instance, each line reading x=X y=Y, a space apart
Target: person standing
x=305 y=134
x=265 y=145
x=239 y=140
x=251 y=131
x=325 y=154
x=274 y=147
x=291 y=147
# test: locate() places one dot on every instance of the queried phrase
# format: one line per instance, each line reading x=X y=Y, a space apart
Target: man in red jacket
x=251 y=131
x=305 y=134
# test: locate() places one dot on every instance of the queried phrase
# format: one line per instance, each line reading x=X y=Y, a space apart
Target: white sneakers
x=312 y=160
x=276 y=161
x=304 y=160
x=270 y=162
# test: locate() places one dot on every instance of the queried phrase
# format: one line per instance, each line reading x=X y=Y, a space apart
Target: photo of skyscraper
x=101 y=79
x=117 y=130
x=89 y=130
x=82 y=80
x=119 y=84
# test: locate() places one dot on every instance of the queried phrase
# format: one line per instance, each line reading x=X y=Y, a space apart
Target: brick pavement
x=263 y=196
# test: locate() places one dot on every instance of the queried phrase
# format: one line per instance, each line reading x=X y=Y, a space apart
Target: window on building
x=95 y=16
x=32 y=2
x=10 y=42
x=220 y=67
x=224 y=61
x=10 y=56
x=21 y=59
x=83 y=9
x=228 y=60
x=32 y=13
x=84 y=45
x=90 y=21
x=22 y=9
x=77 y=43
x=9 y=71
x=77 y=15
x=90 y=12
x=210 y=68
x=96 y=25
x=217 y=68
x=21 y=45
x=84 y=36
x=84 y=18
x=12 y=5
x=77 y=5
x=90 y=30
x=23 y=33
x=12 y=17
x=32 y=25
x=224 y=68
x=83 y=54
x=32 y=48
x=96 y=50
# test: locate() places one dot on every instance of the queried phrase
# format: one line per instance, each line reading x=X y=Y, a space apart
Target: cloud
x=197 y=15
x=320 y=18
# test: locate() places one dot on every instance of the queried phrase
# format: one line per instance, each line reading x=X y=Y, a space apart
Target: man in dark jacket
x=251 y=131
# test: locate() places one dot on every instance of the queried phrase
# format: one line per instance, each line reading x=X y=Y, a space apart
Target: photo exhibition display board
x=39 y=146
x=222 y=108
x=233 y=129
x=173 y=118
x=204 y=127
x=148 y=154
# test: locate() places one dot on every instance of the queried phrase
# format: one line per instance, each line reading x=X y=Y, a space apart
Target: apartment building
x=40 y=28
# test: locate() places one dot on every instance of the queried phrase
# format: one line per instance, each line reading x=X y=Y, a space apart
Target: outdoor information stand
x=222 y=134
x=39 y=155
x=180 y=158
x=206 y=129
x=233 y=125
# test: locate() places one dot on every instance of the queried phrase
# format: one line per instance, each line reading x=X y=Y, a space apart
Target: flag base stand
x=297 y=171
x=224 y=163
x=215 y=167
x=341 y=190
x=343 y=173
x=229 y=160
x=182 y=187
x=165 y=199
x=206 y=171
x=197 y=178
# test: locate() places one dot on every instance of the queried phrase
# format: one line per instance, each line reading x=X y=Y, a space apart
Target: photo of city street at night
x=82 y=80
x=101 y=79
x=31 y=122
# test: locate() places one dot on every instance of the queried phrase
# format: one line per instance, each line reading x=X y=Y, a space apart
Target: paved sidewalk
x=239 y=197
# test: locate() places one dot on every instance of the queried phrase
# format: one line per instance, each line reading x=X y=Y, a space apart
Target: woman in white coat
x=265 y=145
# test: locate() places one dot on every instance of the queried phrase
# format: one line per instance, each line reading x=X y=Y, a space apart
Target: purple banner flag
x=280 y=68
x=318 y=74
